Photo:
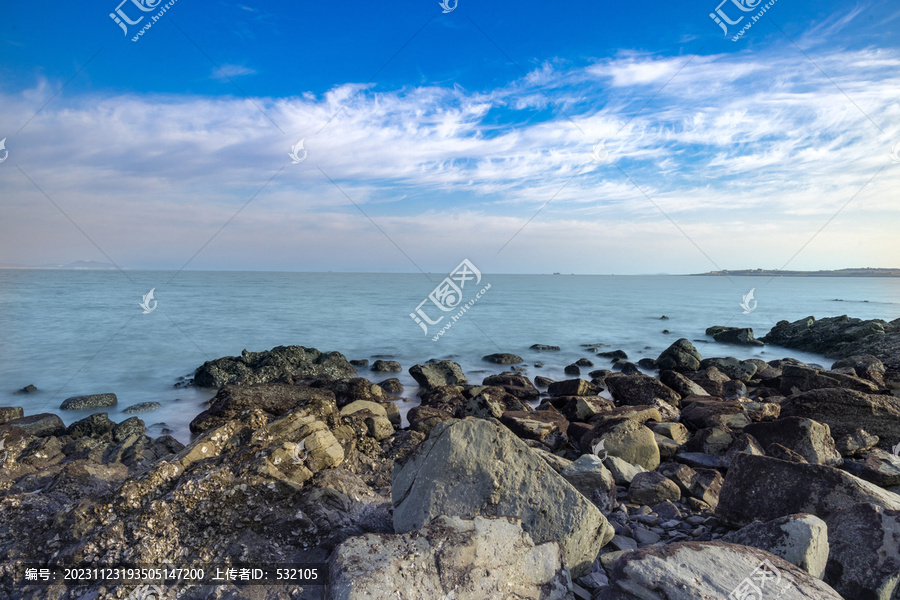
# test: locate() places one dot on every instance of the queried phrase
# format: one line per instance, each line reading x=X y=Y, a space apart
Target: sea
x=76 y=332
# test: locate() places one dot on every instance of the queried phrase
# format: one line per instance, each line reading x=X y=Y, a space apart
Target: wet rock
x=8 y=413
x=295 y=362
x=544 y=348
x=640 y=389
x=28 y=389
x=572 y=369
x=438 y=374
x=800 y=539
x=451 y=557
x=796 y=379
x=681 y=384
x=845 y=410
x=424 y=418
x=360 y=362
x=39 y=425
x=542 y=382
x=780 y=488
x=681 y=356
x=386 y=366
x=572 y=387
x=514 y=383
x=733 y=335
x=692 y=570
x=391 y=386
x=503 y=358
x=142 y=407
x=132 y=426
x=652 y=488
x=808 y=438
x=491 y=401
x=472 y=467
x=91 y=401
x=864 y=560
x=865 y=366
x=741 y=370
x=647 y=363
x=97 y=426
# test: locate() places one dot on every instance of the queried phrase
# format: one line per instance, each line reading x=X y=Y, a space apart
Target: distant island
x=778 y=273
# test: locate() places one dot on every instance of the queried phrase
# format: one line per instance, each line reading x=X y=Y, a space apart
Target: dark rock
x=28 y=389
x=8 y=413
x=810 y=439
x=491 y=401
x=782 y=452
x=142 y=407
x=733 y=335
x=39 y=425
x=97 y=426
x=447 y=398
x=702 y=413
x=795 y=379
x=845 y=410
x=273 y=399
x=681 y=356
x=360 y=362
x=280 y=363
x=613 y=354
x=855 y=442
x=438 y=374
x=881 y=468
x=129 y=427
x=386 y=366
x=583 y=362
x=778 y=488
x=664 y=318
x=581 y=408
x=544 y=348
x=91 y=401
x=627 y=368
x=681 y=384
x=647 y=363
x=543 y=426
x=865 y=366
x=710 y=440
x=640 y=389
x=503 y=358
x=864 y=557
x=424 y=418
x=572 y=369
x=652 y=488
x=741 y=370
x=572 y=387
x=391 y=386
x=514 y=383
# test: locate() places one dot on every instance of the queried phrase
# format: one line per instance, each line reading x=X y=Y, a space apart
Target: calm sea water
x=82 y=332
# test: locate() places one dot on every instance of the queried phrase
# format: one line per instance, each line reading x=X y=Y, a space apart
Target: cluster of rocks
x=716 y=474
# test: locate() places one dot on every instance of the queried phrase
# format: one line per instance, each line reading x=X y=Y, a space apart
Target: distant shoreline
x=777 y=273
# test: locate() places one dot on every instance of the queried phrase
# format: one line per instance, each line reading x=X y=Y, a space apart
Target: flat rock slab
x=90 y=401
x=865 y=552
x=450 y=558
x=475 y=468
x=693 y=570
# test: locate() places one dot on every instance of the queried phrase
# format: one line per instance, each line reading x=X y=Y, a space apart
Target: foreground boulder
x=692 y=570
x=806 y=437
x=764 y=488
x=451 y=557
x=282 y=362
x=438 y=374
x=846 y=410
x=801 y=540
x=474 y=468
x=865 y=552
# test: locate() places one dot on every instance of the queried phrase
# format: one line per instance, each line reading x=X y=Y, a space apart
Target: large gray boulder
x=625 y=438
x=801 y=540
x=438 y=374
x=845 y=410
x=864 y=562
x=295 y=362
x=693 y=570
x=764 y=488
x=475 y=468
x=451 y=557
x=810 y=439
x=681 y=356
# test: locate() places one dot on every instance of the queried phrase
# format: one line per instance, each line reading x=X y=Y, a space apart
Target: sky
x=527 y=137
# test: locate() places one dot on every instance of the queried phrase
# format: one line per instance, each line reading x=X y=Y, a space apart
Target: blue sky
x=431 y=137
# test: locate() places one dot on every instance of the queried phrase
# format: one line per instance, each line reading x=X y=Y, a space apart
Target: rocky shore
x=711 y=478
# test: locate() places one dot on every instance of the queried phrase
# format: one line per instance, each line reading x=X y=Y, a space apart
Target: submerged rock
x=282 y=362
x=91 y=401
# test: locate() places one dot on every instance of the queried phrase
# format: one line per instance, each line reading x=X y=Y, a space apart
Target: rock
x=28 y=389
x=438 y=374
x=623 y=472
x=710 y=440
x=706 y=485
x=640 y=389
x=761 y=411
x=855 y=442
x=8 y=413
x=796 y=379
x=865 y=366
x=492 y=401
x=391 y=386
x=97 y=425
x=800 y=539
x=360 y=362
x=379 y=428
x=351 y=389
x=373 y=407
x=39 y=425
x=627 y=368
x=613 y=354
x=864 y=561
x=451 y=557
x=557 y=463
x=881 y=468
x=424 y=418
x=515 y=384
x=503 y=358
x=127 y=428
x=92 y=401
x=572 y=387
x=273 y=399
x=386 y=366
x=627 y=439
x=715 y=413
x=582 y=408
x=544 y=426
x=674 y=431
x=472 y=467
x=780 y=488
x=588 y=475
x=692 y=570
x=295 y=362
x=845 y=410
x=681 y=356
x=542 y=382
x=741 y=370
x=544 y=348
x=742 y=443
x=681 y=384
x=647 y=363
x=142 y=407
x=652 y=488
x=733 y=335
x=572 y=369
x=784 y=453
x=808 y=438
x=840 y=337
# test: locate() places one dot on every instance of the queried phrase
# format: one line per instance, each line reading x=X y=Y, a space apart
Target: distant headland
x=780 y=273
